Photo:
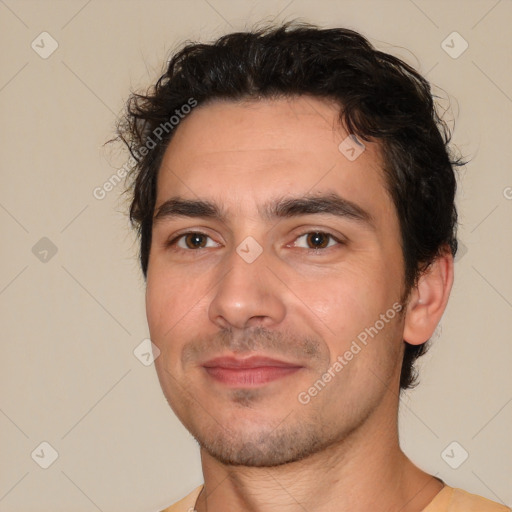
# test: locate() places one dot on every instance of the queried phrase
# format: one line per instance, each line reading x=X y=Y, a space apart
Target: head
x=255 y=136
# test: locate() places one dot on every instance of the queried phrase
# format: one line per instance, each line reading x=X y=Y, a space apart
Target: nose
x=248 y=295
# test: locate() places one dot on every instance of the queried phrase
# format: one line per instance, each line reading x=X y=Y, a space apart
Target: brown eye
x=191 y=241
x=314 y=240
x=195 y=240
x=318 y=240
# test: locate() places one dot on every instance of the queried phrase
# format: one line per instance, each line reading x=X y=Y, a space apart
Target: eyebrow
x=284 y=207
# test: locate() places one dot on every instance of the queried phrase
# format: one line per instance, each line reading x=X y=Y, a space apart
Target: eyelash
x=175 y=240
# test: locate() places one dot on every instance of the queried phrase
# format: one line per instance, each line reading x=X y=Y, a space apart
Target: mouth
x=249 y=372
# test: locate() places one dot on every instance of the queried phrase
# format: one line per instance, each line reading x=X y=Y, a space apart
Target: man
x=294 y=195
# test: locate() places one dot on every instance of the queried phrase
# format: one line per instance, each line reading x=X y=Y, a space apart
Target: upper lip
x=248 y=362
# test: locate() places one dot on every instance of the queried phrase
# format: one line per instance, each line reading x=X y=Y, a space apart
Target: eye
x=312 y=240
x=192 y=240
x=317 y=240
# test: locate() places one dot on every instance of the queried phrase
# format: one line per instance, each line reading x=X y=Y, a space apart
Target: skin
x=260 y=447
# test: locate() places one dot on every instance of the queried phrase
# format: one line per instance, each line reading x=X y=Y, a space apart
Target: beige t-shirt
x=449 y=499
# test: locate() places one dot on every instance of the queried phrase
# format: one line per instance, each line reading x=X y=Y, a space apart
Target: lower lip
x=249 y=377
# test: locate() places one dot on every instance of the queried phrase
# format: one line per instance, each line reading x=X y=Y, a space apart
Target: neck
x=365 y=471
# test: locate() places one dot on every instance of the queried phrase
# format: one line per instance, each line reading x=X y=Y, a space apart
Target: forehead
x=246 y=152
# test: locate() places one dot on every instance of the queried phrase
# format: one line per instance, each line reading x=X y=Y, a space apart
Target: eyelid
x=332 y=236
x=178 y=236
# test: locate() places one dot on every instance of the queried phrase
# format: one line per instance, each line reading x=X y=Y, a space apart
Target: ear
x=428 y=299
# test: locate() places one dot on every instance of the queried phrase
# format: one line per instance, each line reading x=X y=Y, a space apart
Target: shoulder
x=186 y=504
x=467 y=502
x=451 y=499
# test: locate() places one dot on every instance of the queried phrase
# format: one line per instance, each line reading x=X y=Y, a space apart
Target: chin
x=264 y=447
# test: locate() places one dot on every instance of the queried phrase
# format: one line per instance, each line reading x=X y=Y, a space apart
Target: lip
x=248 y=372
x=247 y=362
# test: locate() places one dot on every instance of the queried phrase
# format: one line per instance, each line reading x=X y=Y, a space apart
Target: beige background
x=70 y=324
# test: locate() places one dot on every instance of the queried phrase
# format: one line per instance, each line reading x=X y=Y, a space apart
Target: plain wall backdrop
x=72 y=295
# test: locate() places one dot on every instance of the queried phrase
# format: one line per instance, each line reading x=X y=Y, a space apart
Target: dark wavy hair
x=380 y=97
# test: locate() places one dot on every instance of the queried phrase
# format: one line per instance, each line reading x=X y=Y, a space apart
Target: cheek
x=347 y=303
x=175 y=311
x=163 y=316
x=156 y=299
x=166 y=303
x=340 y=298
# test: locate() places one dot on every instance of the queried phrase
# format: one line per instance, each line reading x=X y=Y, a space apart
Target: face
x=274 y=281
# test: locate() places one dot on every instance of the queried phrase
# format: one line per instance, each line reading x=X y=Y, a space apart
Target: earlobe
x=428 y=299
